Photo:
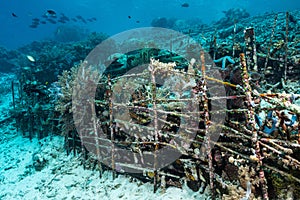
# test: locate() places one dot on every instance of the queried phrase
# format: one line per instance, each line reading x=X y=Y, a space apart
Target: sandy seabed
x=62 y=177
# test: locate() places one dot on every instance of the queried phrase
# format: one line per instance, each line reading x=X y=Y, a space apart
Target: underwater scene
x=161 y=99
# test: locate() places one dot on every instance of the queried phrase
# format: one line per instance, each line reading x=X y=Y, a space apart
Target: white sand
x=63 y=177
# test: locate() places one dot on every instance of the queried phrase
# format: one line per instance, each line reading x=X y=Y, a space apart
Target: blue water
x=112 y=16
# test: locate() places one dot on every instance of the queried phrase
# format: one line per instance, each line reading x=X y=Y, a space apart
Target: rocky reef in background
x=37 y=67
x=225 y=37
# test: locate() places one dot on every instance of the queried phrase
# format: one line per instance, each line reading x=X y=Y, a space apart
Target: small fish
x=94 y=18
x=51 y=21
x=33 y=26
x=26 y=68
x=65 y=18
x=138 y=21
x=185 y=5
x=61 y=21
x=51 y=12
x=79 y=17
x=129 y=17
x=35 y=23
x=14 y=15
x=30 y=58
x=83 y=20
x=43 y=22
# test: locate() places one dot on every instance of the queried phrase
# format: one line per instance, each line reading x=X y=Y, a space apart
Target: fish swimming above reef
x=61 y=21
x=93 y=19
x=30 y=58
x=84 y=21
x=51 y=21
x=36 y=19
x=51 y=12
x=185 y=5
x=14 y=15
x=33 y=26
x=79 y=17
x=64 y=17
x=35 y=23
x=52 y=17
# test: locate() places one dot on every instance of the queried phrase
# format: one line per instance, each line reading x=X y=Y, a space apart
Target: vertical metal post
x=207 y=125
x=251 y=49
x=251 y=122
x=111 y=126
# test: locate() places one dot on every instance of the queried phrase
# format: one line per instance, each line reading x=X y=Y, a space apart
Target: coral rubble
x=257 y=153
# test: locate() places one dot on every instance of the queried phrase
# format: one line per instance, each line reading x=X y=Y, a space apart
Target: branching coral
x=64 y=106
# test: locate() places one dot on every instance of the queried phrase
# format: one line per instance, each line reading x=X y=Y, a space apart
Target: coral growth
x=144 y=111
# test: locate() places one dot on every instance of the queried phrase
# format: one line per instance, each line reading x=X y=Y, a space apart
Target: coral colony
x=257 y=154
